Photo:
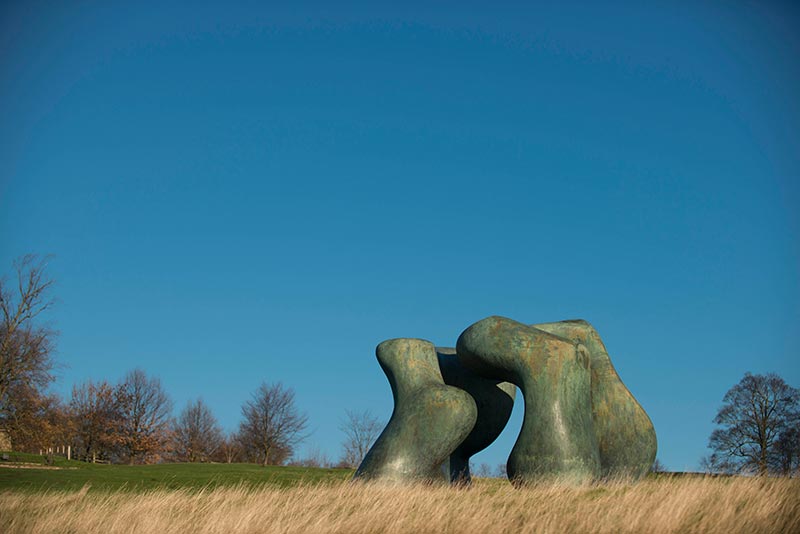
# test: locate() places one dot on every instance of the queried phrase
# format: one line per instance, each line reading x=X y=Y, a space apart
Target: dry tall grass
x=664 y=505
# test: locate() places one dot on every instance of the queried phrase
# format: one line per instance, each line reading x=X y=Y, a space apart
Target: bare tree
x=314 y=458
x=144 y=417
x=707 y=465
x=482 y=470
x=196 y=433
x=361 y=429
x=657 y=467
x=787 y=451
x=272 y=426
x=501 y=471
x=755 y=413
x=229 y=449
x=26 y=362
x=95 y=414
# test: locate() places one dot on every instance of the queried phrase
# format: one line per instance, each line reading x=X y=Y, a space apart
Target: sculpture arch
x=580 y=422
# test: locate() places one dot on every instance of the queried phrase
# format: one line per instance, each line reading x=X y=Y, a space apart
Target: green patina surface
x=580 y=423
x=625 y=435
x=557 y=437
x=430 y=419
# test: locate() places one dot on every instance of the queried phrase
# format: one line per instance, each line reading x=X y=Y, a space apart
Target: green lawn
x=73 y=475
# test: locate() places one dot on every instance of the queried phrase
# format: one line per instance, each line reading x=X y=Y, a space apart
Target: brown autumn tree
x=36 y=421
x=144 y=418
x=94 y=411
x=229 y=450
x=272 y=426
x=196 y=434
x=26 y=347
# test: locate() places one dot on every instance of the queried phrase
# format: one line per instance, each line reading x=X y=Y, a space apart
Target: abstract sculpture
x=429 y=419
x=557 y=436
x=580 y=421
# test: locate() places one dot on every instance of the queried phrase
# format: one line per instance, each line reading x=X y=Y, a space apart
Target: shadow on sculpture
x=580 y=422
x=494 y=400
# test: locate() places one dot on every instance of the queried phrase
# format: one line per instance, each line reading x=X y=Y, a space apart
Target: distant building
x=5 y=440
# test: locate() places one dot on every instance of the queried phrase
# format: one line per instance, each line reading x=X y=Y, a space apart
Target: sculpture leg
x=429 y=420
x=557 y=439
x=625 y=435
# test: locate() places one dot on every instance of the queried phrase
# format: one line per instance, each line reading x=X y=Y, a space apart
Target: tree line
x=131 y=421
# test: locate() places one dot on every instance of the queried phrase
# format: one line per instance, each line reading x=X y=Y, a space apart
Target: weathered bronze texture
x=580 y=422
x=557 y=439
x=625 y=435
x=430 y=419
x=494 y=400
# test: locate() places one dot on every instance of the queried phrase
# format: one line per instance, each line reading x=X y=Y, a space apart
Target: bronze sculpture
x=581 y=423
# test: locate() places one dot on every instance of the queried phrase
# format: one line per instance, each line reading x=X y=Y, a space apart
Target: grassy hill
x=28 y=472
x=79 y=497
x=710 y=505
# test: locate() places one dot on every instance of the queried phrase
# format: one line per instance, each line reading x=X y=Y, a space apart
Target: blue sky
x=242 y=193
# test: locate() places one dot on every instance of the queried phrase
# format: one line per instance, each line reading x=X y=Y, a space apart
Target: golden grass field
x=665 y=504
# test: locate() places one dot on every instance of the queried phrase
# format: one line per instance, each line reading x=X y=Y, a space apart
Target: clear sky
x=238 y=192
